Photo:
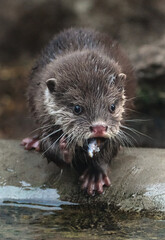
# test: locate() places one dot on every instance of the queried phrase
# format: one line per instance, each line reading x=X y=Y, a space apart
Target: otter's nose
x=98 y=129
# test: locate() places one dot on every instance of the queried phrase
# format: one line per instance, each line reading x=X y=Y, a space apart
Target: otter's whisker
x=69 y=139
x=43 y=127
x=136 y=132
x=129 y=135
x=44 y=138
x=137 y=120
x=130 y=99
x=53 y=143
x=124 y=139
x=131 y=110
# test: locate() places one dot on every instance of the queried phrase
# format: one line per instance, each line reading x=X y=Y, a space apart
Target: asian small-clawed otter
x=79 y=92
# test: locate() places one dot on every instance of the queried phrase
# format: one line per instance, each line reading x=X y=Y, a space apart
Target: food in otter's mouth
x=93 y=147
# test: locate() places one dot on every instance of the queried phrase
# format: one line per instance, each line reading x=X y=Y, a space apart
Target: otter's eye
x=112 y=108
x=77 y=109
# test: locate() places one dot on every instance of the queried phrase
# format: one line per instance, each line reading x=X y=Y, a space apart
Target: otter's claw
x=94 y=182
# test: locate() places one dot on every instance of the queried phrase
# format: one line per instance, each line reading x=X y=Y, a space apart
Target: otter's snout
x=98 y=130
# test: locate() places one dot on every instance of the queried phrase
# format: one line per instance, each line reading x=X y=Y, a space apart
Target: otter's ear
x=117 y=79
x=121 y=81
x=51 y=84
x=122 y=77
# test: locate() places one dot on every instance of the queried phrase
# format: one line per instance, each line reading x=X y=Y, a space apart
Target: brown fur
x=85 y=67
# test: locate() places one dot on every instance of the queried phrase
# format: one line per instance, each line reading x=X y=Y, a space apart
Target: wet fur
x=85 y=65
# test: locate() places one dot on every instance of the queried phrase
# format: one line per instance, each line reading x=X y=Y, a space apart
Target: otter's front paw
x=66 y=154
x=31 y=143
x=93 y=180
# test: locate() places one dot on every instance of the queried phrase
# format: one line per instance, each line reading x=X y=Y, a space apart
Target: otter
x=79 y=92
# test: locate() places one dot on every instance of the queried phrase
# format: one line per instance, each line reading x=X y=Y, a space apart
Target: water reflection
x=76 y=222
x=38 y=213
x=27 y=196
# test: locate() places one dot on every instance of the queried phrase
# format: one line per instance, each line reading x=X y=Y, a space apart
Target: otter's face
x=85 y=97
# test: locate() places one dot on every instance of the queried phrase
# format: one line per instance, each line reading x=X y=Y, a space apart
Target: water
x=29 y=213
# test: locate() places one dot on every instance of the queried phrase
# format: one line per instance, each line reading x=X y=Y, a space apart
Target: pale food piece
x=93 y=147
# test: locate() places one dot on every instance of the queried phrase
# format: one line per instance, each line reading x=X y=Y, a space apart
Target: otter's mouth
x=94 y=145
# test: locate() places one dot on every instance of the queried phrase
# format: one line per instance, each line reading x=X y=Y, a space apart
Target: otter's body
x=79 y=90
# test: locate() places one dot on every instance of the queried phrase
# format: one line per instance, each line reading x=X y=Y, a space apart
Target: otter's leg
x=31 y=143
x=94 y=178
x=57 y=151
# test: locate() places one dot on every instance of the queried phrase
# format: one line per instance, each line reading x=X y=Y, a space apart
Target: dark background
x=26 y=26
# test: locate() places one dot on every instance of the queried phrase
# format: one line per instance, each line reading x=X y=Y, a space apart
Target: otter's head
x=85 y=96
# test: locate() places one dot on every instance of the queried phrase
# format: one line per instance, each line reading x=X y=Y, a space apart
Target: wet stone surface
x=37 y=201
x=137 y=177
